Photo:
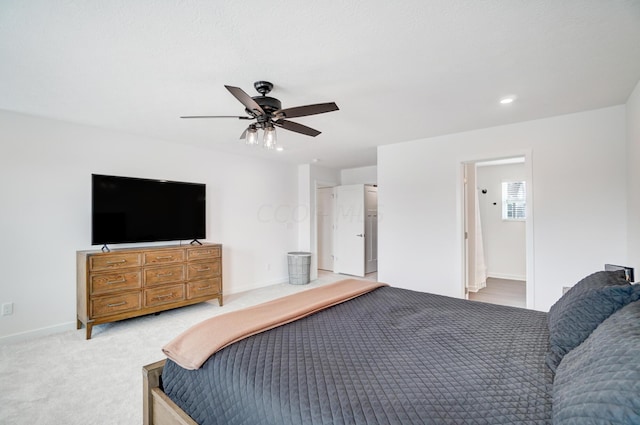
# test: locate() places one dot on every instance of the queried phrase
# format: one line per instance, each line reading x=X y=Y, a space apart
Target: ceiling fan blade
x=246 y=100
x=218 y=116
x=303 y=111
x=298 y=128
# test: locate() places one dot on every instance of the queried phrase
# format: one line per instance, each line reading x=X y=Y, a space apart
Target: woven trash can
x=299 y=267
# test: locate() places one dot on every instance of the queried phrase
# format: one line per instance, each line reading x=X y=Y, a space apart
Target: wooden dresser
x=133 y=282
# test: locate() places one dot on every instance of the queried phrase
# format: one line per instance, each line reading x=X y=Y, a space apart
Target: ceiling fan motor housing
x=268 y=104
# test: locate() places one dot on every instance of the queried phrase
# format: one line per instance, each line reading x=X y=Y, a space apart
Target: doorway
x=497 y=231
x=347 y=229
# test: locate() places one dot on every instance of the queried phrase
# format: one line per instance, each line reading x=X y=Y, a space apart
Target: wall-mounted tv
x=127 y=210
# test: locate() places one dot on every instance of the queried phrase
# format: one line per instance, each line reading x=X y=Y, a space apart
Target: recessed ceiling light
x=507 y=100
x=315 y=160
x=279 y=148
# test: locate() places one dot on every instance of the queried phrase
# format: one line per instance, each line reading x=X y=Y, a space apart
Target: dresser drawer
x=203 y=288
x=164 y=256
x=161 y=275
x=105 y=306
x=113 y=261
x=163 y=295
x=204 y=253
x=203 y=270
x=113 y=282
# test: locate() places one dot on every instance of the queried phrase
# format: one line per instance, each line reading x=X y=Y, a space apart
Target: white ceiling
x=398 y=70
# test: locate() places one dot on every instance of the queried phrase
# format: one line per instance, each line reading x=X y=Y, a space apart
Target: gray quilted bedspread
x=391 y=356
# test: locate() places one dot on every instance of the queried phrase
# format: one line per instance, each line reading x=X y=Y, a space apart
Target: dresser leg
x=220 y=300
x=89 y=329
x=78 y=324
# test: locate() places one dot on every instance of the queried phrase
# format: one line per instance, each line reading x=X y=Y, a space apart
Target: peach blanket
x=194 y=346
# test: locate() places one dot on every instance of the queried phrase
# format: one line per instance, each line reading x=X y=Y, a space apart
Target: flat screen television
x=128 y=210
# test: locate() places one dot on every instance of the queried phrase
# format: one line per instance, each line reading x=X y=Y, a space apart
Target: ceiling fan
x=268 y=114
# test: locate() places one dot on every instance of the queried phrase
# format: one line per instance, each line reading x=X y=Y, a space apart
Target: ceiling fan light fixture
x=252 y=135
x=269 y=137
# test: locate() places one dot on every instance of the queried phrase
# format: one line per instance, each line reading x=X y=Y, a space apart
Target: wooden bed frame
x=158 y=408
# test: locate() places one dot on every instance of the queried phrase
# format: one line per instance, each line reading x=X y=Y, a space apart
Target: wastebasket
x=299 y=267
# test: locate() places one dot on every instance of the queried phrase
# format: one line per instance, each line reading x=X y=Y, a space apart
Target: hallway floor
x=327 y=273
x=502 y=291
x=498 y=291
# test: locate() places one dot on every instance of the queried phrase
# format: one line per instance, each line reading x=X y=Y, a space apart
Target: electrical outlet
x=7 y=309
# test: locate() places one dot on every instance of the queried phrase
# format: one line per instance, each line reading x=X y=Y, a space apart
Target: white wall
x=420 y=200
x=360 y=175
x=309 y=178
x=45 y=215
x=302 y=214
x=633 y=180
x=503 y=240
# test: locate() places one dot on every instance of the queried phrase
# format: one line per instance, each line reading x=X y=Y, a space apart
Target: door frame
x=529 y=225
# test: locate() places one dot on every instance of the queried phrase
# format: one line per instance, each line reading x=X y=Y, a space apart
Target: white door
x=325 y=209
x=371 y=229
x=349 y=235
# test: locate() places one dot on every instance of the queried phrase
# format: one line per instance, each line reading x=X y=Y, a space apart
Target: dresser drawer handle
x=111 y=282
x=117 y=304
x=204 y=269
x=164 y=274
x=202 y=288
x=201 y=253
x=117 y=262
x=161 y=297
x=166 y=257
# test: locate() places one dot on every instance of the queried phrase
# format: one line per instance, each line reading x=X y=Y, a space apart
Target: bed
x=394 y=356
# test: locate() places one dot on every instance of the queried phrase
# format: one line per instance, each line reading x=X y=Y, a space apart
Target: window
x=514 y=201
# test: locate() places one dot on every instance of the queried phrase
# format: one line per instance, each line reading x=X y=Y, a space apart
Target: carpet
x=65 y=379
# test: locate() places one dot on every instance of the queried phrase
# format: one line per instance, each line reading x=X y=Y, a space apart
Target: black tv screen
x=127 y=210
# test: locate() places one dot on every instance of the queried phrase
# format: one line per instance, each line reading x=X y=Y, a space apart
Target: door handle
x=360 y=235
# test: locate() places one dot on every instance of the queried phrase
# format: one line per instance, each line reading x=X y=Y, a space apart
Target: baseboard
x=506 y=276
x=62 y=327
x=37 y=333
x=249 y=287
